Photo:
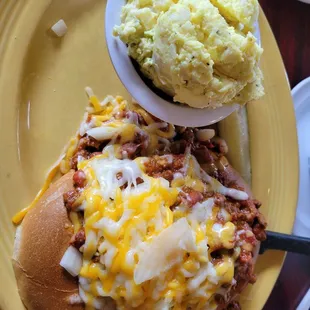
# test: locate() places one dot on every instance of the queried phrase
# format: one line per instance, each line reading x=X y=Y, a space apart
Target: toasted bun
x=40 y=243
x=234 y=130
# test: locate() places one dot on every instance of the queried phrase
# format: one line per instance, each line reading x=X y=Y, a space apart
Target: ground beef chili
x=74 y=159
x=69 y=199
x=247 y=212
x=136 y=116
x=234 y=305
x=86 y=147
x=89 y=143
x=130 y=150
x=78 y=239
x=164 y=167
x=210 y=154
x=190 y=197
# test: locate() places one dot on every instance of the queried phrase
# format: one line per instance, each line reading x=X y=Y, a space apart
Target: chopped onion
x=72 y=261
x=96 y=302
x=60 y=28
x=83 y=295
x=75 y=299
x=205 y=134
x=84 y=283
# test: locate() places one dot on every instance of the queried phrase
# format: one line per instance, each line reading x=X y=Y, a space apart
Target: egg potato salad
x=201 y=52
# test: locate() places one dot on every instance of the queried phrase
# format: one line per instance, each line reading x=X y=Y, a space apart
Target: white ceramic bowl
x=173 y=113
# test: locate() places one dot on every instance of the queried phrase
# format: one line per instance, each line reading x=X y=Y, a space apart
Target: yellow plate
x=42 y=99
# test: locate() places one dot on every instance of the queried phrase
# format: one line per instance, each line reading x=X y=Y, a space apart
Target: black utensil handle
x=283 y=242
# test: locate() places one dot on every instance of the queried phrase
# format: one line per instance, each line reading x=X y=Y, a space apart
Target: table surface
x=290 y=22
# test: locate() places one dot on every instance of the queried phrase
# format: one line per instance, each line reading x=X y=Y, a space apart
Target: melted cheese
x=50 y=176
x=74 y=218
x=132 y=227
x=113 y=173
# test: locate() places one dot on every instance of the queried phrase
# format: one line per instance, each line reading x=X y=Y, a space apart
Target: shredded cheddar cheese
x=131 y=220
x=50 y=176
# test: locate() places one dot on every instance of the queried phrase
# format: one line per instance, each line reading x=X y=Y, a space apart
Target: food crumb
x=60 y=28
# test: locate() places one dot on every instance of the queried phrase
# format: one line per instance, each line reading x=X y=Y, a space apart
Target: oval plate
x=42 y=101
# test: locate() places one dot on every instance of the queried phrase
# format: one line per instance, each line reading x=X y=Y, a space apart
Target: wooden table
x=290 y=21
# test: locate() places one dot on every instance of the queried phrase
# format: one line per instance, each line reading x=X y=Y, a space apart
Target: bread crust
x=40 y=243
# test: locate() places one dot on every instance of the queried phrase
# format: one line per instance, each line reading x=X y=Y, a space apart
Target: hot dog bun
x=234 y=130
x=40 y=243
